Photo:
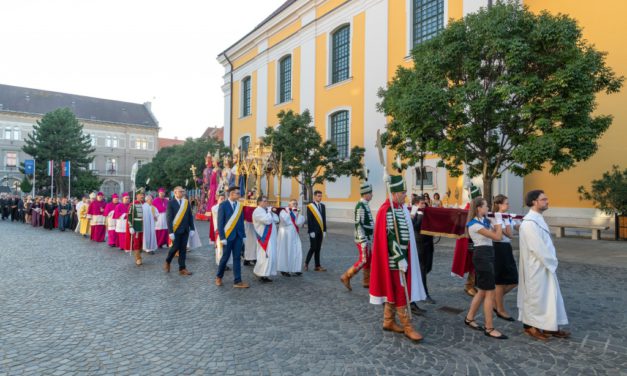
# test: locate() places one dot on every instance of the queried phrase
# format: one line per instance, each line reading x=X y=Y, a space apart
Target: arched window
x=339 y=132
x=428 y=19
x=285 y=79
x=246 y=90
x=244 y=144
x=340 y=54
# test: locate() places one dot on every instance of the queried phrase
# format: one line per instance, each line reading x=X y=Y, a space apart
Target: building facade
x=122 y=133
x=331 y=56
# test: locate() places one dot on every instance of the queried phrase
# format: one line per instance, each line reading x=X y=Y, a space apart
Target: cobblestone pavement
x=69 y=306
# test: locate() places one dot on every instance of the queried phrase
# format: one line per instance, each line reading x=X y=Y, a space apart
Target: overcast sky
x=130 y=50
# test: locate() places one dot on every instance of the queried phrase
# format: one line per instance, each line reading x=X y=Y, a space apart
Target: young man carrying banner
x=135 y=234
x=364 y=226
x=266 y=223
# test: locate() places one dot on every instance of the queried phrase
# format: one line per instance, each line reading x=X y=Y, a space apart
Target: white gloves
x=402 y=265
x=312 y=235
x=269 y=209
x=223 y=242
x=172 y=236
x=498 y=218
x=192 y=233
x=132 y=231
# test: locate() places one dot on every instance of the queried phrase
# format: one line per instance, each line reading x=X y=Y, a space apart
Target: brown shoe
x=558 y=333
x=185 y=272
x=319 y=269
x=366 y=282
x=346 y=278
x=138 y=262
x=536 y=333
x=306 y=267
x=218 y=281
x=166 y=267
x=408 y=329
x=389 y=320
x=241 y=285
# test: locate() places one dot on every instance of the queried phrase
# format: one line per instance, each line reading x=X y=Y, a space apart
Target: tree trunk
x=487 y=190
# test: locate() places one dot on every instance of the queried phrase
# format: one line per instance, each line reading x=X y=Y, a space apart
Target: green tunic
x=136 y=216
x=364 y=223
x=397 y=251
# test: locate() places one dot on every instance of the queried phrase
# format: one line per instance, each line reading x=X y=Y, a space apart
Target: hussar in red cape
x=395 y=279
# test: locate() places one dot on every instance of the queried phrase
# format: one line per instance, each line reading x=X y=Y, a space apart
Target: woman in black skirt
x=482 y=233
x=505 y=270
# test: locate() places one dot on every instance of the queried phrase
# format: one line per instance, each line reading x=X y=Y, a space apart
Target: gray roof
x=39 y=102
x=278 y=11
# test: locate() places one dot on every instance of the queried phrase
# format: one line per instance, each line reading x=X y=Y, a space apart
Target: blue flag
x=29 y=167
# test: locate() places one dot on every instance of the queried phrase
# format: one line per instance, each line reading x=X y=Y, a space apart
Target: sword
x=389 y=192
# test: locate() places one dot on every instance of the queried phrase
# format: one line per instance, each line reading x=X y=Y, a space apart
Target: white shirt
x=477 y=238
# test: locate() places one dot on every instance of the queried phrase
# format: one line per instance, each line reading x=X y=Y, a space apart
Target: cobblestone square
x=70 y=306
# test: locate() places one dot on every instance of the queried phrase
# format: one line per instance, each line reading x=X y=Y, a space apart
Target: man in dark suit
x=180 y=227
x=232 y=235
x=317 y=225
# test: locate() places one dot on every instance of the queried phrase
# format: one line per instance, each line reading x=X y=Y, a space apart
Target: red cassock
x=384 y=283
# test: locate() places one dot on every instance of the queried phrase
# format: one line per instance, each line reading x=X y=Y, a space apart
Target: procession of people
x=393 y=253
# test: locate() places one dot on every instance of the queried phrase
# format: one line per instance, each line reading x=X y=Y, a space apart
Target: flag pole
x=51 y=178
x=34 y=178
x=69 y=180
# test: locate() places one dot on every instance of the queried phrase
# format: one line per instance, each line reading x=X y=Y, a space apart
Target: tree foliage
x=502 y=89
x=26 y=186
x=608 y=194
x=306 y=157
x=59 y=137
x=171 y=166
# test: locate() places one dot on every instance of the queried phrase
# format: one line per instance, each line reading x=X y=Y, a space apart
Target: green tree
x=502 y=89
x=305 y=156
x=84 y=181
x=59 y=137
x=26 y=186
x=171 y=166
x=608 y=194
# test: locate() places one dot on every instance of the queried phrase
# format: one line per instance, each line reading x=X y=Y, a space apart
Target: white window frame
x=350 y=124
x=6 y=159
x=409 y=24
x=241 y=96
x=277 y=99
x=339 y=25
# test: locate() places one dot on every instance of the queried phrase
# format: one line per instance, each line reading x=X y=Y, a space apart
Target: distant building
x=121 y=132
x=214 y=132
x=167 y=142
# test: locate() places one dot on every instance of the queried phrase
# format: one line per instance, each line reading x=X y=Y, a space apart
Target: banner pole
x=34 y=178
x=51 y=178
x=69 y=180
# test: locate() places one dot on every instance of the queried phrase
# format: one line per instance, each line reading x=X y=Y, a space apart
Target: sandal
x=490 y=330
x=469 y=323
x=510 y=318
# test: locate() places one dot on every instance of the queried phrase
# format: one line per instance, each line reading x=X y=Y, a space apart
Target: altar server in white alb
x=219 y=248
x=266 y=223
x=289 y=247
x=150 y=217
x=540 y=304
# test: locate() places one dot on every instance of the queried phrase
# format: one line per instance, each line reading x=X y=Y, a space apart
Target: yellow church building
x=331 y=56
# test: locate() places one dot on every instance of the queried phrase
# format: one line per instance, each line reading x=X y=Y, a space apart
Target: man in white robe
x=289 y=247
x=219 y=248
x=266 y=223
x=540 y=304
x=150 y=216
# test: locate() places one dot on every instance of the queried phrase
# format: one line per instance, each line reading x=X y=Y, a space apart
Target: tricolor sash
x=264 y=239
x=232 y=222
x=317 y=215
x=293 y=218
x=179 y=216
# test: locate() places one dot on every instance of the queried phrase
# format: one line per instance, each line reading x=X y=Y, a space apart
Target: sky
x=137 y=51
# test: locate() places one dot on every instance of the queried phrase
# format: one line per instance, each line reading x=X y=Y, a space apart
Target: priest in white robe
x=219 y=247
x=266 y=223
x=540 y=304
x=289 y=246
x=150 y=217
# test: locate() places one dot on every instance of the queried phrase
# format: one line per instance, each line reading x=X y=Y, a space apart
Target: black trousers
x=425 y=256
x=315 y=244
x=179 y=244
